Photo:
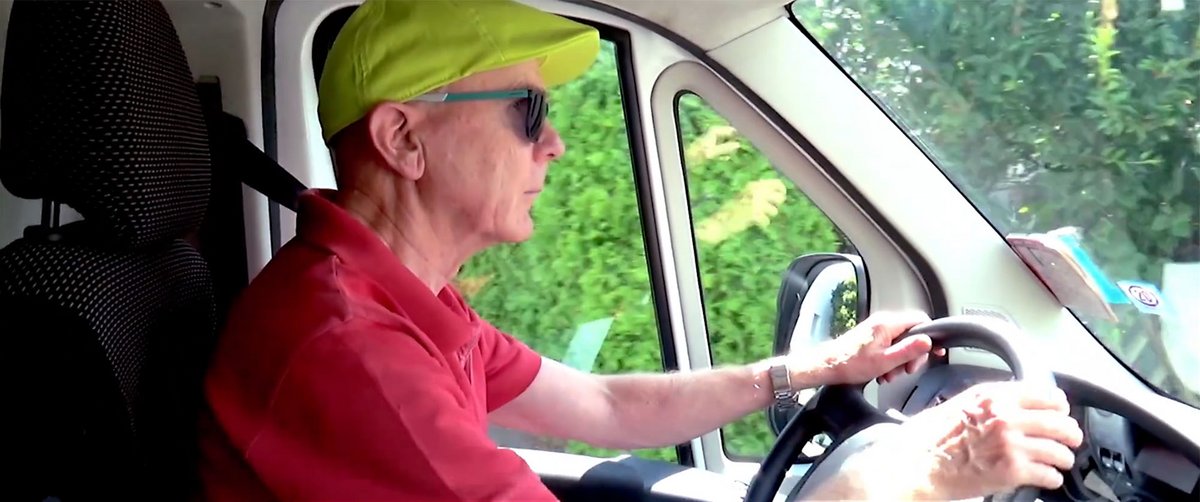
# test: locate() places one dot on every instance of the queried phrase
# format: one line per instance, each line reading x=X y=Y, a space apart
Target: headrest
x=99 y=111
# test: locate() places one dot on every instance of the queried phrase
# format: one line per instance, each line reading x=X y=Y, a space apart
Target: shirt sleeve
x=389 y=423
x=509 y=364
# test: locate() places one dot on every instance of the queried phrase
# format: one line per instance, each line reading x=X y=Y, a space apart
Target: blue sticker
x=1144 y=296
x=1112 y=293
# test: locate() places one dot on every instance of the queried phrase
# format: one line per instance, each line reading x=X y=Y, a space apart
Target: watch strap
x=781 y=383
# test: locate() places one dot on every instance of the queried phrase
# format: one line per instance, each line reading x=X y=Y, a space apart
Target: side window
x=750 y=222
x=579 y=290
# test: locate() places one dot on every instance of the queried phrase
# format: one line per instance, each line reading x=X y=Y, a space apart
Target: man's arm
x=633 y=411
x=654 y=410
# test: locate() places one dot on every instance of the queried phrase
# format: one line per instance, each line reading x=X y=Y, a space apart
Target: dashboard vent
x=986 y=311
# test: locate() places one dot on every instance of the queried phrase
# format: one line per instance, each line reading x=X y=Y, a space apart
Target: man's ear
x=390 y=127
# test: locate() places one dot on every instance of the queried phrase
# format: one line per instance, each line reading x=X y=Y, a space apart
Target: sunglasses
x=531 y=100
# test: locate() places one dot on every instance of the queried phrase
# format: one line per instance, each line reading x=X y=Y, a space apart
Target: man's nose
x=550 y=145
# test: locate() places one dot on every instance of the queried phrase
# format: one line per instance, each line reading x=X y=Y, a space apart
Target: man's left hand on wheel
x=870 y=350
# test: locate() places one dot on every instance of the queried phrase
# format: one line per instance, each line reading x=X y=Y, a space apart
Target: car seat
x=108 y=320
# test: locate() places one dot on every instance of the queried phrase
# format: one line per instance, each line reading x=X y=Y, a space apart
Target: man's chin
x=523 y=236
x=517 y=234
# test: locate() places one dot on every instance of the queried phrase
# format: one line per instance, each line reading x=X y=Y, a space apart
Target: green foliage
x=1048 y=113
x=845 y=310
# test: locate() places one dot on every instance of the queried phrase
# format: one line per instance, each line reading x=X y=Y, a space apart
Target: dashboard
x=1127 y=454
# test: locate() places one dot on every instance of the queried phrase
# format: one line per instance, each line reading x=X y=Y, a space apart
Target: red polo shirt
x=341 y=376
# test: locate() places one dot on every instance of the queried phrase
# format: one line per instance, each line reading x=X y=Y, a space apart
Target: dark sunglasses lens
x=538 y=107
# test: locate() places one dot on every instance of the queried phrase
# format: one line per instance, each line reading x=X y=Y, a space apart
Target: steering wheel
x=844 y=413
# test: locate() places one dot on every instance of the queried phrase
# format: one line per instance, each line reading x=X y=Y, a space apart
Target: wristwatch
x=781 y=384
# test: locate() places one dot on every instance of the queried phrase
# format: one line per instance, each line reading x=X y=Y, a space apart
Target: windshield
x=1073 y=126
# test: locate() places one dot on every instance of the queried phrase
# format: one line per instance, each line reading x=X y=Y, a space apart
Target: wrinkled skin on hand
x=991 y=438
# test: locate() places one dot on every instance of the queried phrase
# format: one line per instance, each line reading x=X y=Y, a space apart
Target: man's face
x=481 y=171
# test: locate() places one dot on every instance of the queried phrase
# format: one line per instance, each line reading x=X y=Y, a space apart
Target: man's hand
x=991 y=438
x=867 y=351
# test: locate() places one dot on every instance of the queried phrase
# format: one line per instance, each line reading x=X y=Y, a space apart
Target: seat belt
x=250 y=165
x=259 y=171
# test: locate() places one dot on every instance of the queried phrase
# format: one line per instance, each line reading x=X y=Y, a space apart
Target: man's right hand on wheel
x=991 y=438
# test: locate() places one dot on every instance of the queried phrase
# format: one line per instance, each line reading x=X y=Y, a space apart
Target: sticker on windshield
x=1144 y=295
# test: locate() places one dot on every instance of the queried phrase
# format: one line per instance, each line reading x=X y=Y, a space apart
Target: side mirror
x=822 y=296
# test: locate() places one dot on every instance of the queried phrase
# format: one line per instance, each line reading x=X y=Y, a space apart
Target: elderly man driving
x=352 y=369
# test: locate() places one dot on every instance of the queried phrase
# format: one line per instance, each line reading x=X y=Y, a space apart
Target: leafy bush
x=845 y=310
x=1055 y=113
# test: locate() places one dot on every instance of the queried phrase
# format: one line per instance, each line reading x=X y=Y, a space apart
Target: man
x=351 y=369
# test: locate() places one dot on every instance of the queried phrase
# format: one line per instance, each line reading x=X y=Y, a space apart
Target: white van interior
x=151 y=153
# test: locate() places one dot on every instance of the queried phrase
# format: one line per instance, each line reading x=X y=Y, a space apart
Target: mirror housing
x=822 y=295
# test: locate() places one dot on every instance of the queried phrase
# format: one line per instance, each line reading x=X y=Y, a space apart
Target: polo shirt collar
x=324 y=224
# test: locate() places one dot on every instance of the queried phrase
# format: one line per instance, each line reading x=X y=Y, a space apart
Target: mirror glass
x=828 y=308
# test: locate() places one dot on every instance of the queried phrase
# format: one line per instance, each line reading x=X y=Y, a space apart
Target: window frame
x=846 y=242
x=651 y=239
x=796 y=159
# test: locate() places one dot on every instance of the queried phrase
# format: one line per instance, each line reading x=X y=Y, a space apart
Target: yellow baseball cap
x=395 y=50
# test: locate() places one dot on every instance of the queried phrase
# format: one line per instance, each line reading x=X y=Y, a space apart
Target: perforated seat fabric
x=120 y=295
x=102 y=366
x=108 y=321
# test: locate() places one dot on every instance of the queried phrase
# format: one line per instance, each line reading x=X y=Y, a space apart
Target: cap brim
x=569 y=60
